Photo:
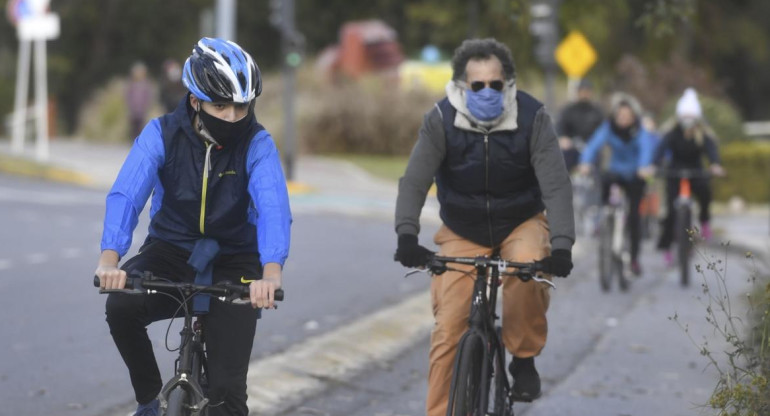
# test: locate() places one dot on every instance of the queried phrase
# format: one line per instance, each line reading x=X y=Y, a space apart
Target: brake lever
x=415 y=271
x=546 y=281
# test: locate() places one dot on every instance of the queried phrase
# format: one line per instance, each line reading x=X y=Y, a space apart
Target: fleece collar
x=455 y=92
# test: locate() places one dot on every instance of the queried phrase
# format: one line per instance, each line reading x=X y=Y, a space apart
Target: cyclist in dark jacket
x=684 y=147
x=577 y=122
x=494 y=156
x=218 y=191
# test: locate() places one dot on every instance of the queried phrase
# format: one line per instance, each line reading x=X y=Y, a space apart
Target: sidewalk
x=321 y=184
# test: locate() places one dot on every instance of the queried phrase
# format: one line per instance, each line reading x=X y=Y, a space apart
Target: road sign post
x=575 y=56
x=33 y=23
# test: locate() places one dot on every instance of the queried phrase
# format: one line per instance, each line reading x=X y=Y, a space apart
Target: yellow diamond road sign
x=575 y=55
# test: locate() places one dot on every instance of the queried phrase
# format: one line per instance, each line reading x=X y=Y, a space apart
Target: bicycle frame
x=481 y=325
x=189 y=367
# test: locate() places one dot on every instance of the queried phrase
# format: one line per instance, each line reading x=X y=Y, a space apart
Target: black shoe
x=526 y=380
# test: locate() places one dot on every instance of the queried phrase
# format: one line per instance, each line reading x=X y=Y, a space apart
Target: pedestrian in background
x=138 y=99
x=171 y=88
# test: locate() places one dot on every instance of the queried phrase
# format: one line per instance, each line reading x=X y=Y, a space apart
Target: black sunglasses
x=496 y=85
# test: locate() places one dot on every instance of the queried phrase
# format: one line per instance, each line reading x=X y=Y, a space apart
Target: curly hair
x=482 y=49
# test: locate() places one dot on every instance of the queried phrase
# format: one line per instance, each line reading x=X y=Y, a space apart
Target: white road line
x=282 y=381
x=37 y=258
x=5 y=264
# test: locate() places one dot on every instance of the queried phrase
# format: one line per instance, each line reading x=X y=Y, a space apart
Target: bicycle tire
x=605 y=253
x=620 y=270
x=502 y=400
x=683 y=242
x=468 y=379
x=177 y=403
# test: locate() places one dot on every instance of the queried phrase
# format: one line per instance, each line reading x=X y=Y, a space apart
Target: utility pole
x=473 y=19
x=226 y=19
x=292 y=43
x=545 y=30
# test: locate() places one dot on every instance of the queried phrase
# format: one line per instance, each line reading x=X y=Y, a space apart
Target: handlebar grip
x=129 y=282
x=278 y=295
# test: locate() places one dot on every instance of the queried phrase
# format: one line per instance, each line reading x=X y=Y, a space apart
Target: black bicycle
x=614 y=253
x=480 y=385
x=185 y=393
x=684 y=234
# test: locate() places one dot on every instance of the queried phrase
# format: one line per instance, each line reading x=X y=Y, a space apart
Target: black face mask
x=225 y=132
x=625 y=133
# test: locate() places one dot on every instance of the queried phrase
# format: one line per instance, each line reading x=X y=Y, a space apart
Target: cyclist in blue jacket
x=631 y=161
x=218 y=190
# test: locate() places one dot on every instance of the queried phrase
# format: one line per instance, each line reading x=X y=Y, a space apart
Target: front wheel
x=606 y=258
x=684 y=242
x=465 y=398
x=177 y=403
x=501 y=401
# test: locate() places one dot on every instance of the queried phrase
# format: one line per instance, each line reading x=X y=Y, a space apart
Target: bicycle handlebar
x=525 y=271
x=684 y=173
x=146 y=282
x=523 y=268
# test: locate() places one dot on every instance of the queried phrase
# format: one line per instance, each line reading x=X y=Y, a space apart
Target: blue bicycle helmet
x=221 y=71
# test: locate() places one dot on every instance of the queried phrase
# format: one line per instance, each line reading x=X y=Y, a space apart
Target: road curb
x=25 y=167
x=283 y=381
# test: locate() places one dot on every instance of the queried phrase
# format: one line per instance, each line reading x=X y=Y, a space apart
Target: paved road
x=57 y=354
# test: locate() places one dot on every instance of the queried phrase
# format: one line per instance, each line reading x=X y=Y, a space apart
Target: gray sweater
x=546 y=158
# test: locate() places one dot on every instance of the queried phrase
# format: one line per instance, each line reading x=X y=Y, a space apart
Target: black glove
x=559 y=263
x=411 y=254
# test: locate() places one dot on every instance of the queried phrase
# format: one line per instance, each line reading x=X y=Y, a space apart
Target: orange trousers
x=524 y=303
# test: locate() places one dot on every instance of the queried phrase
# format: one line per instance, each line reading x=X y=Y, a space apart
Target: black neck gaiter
x=222 y=131
x=625 y=133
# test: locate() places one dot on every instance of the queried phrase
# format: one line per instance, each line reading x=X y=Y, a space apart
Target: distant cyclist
x=577 y=122
x=493 y=153
x=684 y=147
x=220 y=211
x=632 y=150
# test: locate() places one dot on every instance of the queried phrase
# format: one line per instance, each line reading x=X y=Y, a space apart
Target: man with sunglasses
x=497 y=165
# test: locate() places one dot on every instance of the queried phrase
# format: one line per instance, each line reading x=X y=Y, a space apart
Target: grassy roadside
x=384 y=167
x=31 y=168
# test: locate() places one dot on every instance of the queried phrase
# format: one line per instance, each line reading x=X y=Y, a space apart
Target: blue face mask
x=485 y=104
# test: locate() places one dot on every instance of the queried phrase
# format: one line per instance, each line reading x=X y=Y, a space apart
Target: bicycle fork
x=188 y=370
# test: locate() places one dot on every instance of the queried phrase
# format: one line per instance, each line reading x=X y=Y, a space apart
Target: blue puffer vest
x=486 y=184
x=195 y=206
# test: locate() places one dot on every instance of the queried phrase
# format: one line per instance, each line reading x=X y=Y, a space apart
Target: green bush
x=748 y=168
x=368 y=117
